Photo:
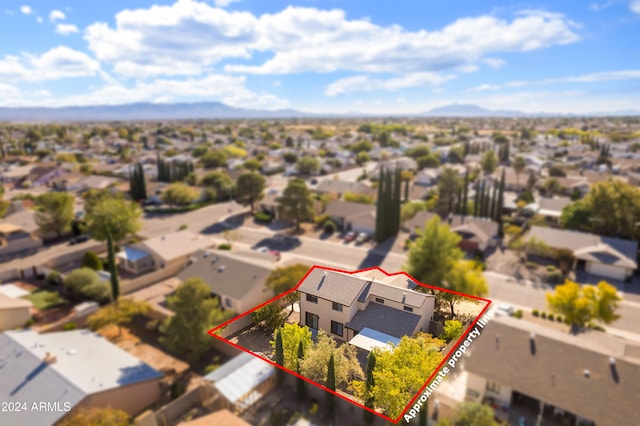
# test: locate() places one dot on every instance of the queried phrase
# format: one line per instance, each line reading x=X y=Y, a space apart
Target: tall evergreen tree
x=301 y=384
x=476 y=200
x=279 y=358
x=142 y=182
x=380 y=209
x=494 y=202
x=501 y=201
x=331 y=385
x=481 y=199
x=369 y=383
x=114 y=279
x=406 y=191
x=465 y=193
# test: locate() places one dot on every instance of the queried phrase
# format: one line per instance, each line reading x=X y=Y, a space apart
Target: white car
x=262 y=249
x=504 y=309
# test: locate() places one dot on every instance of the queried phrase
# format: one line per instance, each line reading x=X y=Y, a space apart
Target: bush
x=211 y=368
x=543 y=315
x=452 y=330
x=536 y=313
x=518 y=314
x=183 y=227
x=263 y=217
x=329 y=227
x=100 y=292
x=29 y=322
x=321 y=219
x=532 y=265
x=53 y=278
x=70 y=326
x=512 y=230
x=551 y=317
x=91 y=260
x=551 y=268
x=559 y=318
x=224 y=246
x=555 y=277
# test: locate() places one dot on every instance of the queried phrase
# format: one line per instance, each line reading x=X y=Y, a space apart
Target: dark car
x=350 y=236
x=79 y=239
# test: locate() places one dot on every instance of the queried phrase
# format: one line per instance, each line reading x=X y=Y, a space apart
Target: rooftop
x=387 y=320
x=177 y=244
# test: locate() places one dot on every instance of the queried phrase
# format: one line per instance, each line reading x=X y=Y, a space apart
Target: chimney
x=404 y=297
x=50 y=358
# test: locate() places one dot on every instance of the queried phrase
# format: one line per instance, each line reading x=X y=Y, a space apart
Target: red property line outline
x=212 y=332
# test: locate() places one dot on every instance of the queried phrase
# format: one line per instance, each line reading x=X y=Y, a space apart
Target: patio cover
x=368 y=339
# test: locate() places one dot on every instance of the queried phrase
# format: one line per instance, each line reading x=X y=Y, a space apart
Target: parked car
x=505 y=310
x=362 y=237
x=79 y=239
x=262 y=249
x=350 y=236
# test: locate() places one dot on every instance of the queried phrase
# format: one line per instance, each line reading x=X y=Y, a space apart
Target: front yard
x=45 y=299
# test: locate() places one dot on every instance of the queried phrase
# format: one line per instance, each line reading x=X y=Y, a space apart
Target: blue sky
x=324 y=56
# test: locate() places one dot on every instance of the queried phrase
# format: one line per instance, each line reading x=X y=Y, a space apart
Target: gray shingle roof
x=235 y=280
x=345 y=209
x=341 y=186
x=335 y=286
x=555 y=372
x=384 y=319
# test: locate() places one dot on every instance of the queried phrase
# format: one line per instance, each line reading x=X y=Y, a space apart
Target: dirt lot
x=255 y=340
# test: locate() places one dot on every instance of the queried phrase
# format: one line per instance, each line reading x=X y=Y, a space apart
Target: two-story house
x=383 y=307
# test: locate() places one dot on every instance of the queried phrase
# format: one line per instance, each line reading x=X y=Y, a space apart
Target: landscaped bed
x=45 y=299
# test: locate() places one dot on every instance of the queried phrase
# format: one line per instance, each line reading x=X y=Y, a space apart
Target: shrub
x=70 y=326
x=543 y=315
x=224 y=246
x=512 y=230
x=53 y=278
x=452 y=330
x=551 y=268
x=100 y=292
x=551 y=317
x=263 y=217
x=532 y=265
x=182 y=227
x=596 y=327
x=211 y=368
x=536 y=313
x=559 y=318
x=91 y=260
x=555 y=277
x=518 y=314
x=321 y=219
x=29 y=322
x=329 y=227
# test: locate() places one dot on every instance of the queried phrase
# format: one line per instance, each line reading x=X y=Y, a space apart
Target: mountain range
x=218 y=110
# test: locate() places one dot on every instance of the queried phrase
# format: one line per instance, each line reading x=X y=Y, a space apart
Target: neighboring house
x=402 y=163
x=43 y=175
x=170 y=251
x=70 y=370
x=96 y=182
x=344 y=305
x=512 y=182
x=427 y=177
x=569 y=184
x=14 y=240
x=238 y=283
x=14 y=312
x=242 y=381
x=341 y=187
x=349 y=216
x=476 y=233
x=16 y=174
x=572 y=379
x=550 y=208
x=603 y=256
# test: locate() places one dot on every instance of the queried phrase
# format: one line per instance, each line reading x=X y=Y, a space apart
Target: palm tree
x=519 y=165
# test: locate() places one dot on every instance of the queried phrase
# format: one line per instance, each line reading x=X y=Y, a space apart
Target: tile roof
x=384 y=319
x=554 y=372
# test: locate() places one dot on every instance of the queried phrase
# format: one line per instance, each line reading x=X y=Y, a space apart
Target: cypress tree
x=279 y=358
x=113 y=270
x=476 y=200
x=142 y=183
x=380 y=208
x=465 y=193
x=494 y=202
x=369 y=383
x=301 y=384
x=331 y=384
x=406 y=191
x=388 y=207
x=396 y=203
x=501 y=201
x=458 y=209
x=481 y=199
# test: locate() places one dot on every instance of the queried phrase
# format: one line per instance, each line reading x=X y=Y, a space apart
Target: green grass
x=44 y=299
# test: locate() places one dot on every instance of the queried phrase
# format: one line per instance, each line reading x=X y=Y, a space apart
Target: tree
x=452 y=330
x=557 y=170
x=137 y=183
x=292 y=336
x=399 y=374
x=270 y=316
x=576 y=215
x=98 y=417
x=388 y=205
x=120 y=314
x=54 y=212
x=354 y=197
x=279 y=357
x=213 y=159
x=285 y=278
x=362 y=158
x=551 y=186
x=566 y=258
x=489 y=162
x=473 y=414
x=464 y=276
x=112 y=218
x=410 y=209
x=317 y=355
x=179 y=194
x=433 y=253
x=252 y=165
x=519 y=164
x=296 y=203
x=195 y=314
x=449 y=186
x=250 y=189
x=429 y=161
x=308 y=165
x=91 y=260
x=331 y=385
x=369 y=401
x=86 y=282
x=221 y=182
x=581 y=305
x=301 y=384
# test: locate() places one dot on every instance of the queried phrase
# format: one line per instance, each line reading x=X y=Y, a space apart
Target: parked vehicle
x=505 y=310
x=362 y=237
x=350 y=236
x=79 y=239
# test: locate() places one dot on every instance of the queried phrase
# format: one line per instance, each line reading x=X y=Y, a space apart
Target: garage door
x=606 y=271
x=468 y=245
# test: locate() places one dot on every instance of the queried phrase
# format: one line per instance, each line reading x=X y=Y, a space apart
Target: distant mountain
x=469 y=110
x=142 y=111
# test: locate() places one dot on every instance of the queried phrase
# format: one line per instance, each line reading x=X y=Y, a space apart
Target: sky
x=562 y=56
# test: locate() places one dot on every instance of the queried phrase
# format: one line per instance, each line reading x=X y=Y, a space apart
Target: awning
x=368 y=339
x=132 y=254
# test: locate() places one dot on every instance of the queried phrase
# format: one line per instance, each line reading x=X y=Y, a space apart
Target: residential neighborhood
x=198 y=223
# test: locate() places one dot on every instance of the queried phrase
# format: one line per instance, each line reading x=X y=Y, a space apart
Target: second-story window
x=312 y=299
x=337 y=307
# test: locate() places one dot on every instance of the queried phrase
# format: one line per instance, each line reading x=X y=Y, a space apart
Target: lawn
x=44 y=299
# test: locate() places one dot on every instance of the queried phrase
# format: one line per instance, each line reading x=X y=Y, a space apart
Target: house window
x=493 y=387
x=312 y=299
x=312 y=320
x=227 y=303
x=336 y=328
x=337 y=307
x=379 y=300
x=408 y=309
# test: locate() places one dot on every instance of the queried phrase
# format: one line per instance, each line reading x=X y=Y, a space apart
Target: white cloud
x=595 y=77
x=277 y=83
x=485 y=87
x=363 y=83
x=8 y=90
x=59 y=62
x=188 y=36
x=595 y=7
x=635 y=6
x=224 y=3
x=230 y=90
x=39 y=19
x=66 y=29
x=495 y=63
x=26 y=10
x=56 y=15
